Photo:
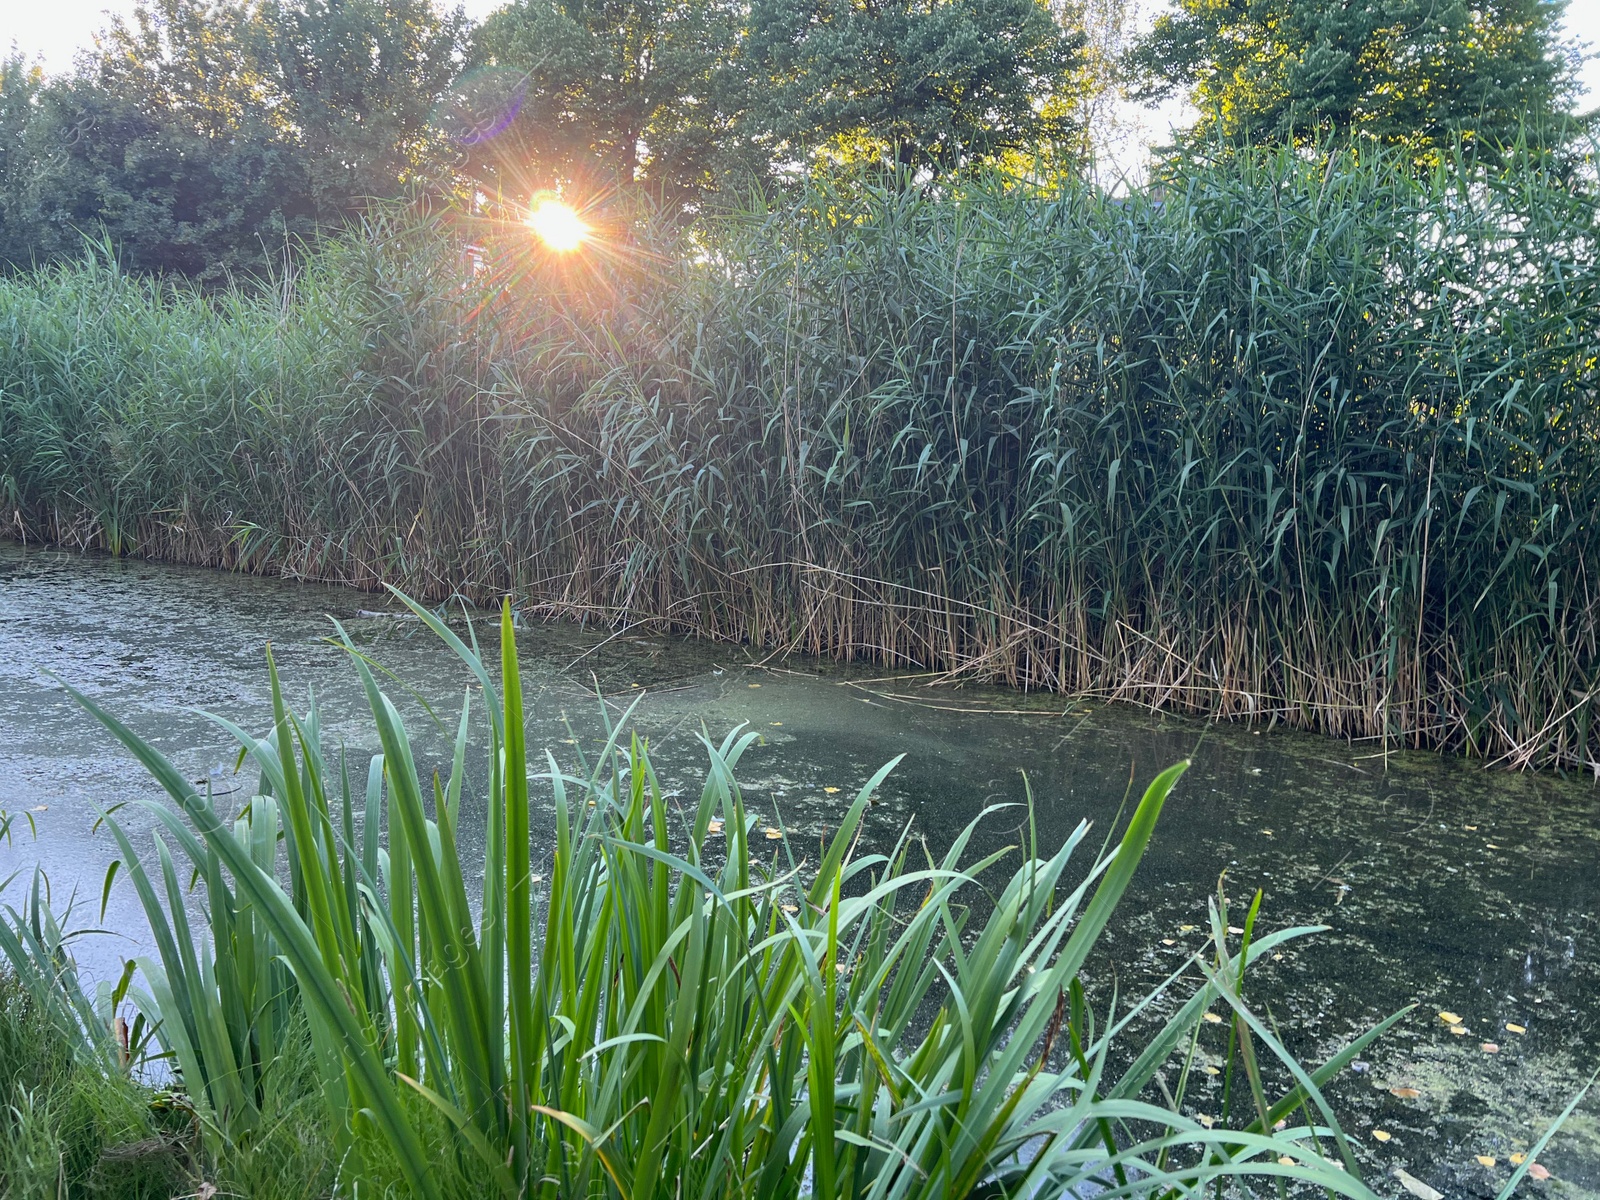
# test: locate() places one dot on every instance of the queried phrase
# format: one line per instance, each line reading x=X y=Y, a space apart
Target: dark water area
x=1443 y=884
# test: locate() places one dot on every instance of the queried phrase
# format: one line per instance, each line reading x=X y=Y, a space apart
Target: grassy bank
x=1290 y=439
x=59 y=1118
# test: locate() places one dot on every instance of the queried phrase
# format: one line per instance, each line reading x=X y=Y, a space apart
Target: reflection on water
x=1443 y=885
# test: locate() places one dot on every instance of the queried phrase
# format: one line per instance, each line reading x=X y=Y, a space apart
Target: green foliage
x=20 y=180
x=351 y=87
x=68 y=1128
x=76 y=1122
x=208 y=139
x=214 y=139
x=1416 y=74
x=613 y=93
x=1295 y=441
x=929 y=87
x=688 y=96
x=656 y=1011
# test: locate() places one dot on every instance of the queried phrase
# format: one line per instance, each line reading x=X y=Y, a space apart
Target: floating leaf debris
x=1416 y=1187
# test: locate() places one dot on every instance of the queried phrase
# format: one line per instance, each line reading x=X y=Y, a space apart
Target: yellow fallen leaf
x=1187 y=928
x=1268 y=832
x=1211 y=1071
x=714 y=827
x=1285 y=1161
x=1448 y=1017
x=791 y=908
x=1516 y=1159
x=1539 y=1171
x=633 y=685
x=1208 y=1122
x=1214 y=1019
x=773 y=835
x=830 y=790
x=775 y=722
x=1458 y=1030
x=755 y=685
x=1405 y=1093
x=1485 y=1160
x=1382 y=1135
x=1489 y=1047
x=569 y=741
x=1516 y=1029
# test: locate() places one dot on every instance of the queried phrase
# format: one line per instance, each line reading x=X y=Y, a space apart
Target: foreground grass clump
x=1283 y=438
x=68 y=1128
x=649 y=1010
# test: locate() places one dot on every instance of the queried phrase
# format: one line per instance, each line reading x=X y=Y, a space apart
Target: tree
x=1409 y=73
x=206 y=136
x=931 y=85
x=165 y=145
x=352 y=85
x=23 y=171
x=608 y=94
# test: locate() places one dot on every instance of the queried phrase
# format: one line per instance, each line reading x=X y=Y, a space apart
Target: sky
x=52 y=31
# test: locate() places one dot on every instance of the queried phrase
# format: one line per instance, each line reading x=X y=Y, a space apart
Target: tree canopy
x=202 y=135
x=613 y=93
x=929 y=84
x=1409 y=73
x=208 y=137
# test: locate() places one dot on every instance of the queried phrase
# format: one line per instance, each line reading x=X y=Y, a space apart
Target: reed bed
x=1287 y=438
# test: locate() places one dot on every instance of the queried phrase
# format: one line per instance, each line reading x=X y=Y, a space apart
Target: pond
x=1443 y=884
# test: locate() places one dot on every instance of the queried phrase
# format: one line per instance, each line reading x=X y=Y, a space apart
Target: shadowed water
x=1443 y=884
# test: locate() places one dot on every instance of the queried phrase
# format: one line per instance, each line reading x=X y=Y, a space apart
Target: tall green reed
x=655 y=1011
x=1281 y=438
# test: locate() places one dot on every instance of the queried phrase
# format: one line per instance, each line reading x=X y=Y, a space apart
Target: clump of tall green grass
x=85 y=1106
x=659 y=1008
x=67 y=1127
x=1282 y=438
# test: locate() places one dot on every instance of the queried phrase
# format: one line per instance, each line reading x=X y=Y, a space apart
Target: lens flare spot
x=557 y=225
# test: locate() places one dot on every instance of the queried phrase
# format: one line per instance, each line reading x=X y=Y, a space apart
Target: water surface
x=1444 y=885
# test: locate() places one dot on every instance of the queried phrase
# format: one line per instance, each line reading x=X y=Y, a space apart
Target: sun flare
x=557 y=225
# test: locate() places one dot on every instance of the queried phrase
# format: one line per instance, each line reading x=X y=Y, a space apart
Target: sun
x=557 y=225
